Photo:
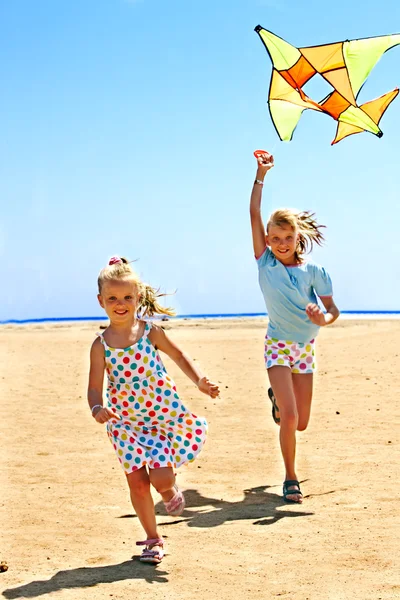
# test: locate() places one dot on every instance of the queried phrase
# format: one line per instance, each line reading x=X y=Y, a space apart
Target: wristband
x=97 y=406
x=259 y=182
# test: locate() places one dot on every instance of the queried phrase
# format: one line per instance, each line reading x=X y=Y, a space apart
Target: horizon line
x=188 y=316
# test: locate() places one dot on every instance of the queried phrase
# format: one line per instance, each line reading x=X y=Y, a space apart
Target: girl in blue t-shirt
x=291 y=286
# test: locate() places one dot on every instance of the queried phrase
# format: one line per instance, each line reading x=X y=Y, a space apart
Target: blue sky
x=128 y=128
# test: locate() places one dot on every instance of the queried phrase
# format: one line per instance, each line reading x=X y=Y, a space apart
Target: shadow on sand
x=258 y=505
x=86 y=577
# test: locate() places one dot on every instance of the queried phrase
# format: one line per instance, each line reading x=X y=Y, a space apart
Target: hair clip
x=115 y=260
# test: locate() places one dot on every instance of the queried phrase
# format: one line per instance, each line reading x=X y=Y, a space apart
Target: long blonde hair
x=119 y=268
x=304 y=223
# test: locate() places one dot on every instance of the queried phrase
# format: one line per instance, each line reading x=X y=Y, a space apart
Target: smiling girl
x=152 y=432
x=291 y=287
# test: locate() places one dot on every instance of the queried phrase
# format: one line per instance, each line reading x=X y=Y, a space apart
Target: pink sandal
x=176 y=505
x=152 y=556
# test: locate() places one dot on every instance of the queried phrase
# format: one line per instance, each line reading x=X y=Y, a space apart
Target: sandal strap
x=150 y=553
x=290 y=482
x=152 y=542
x=175 y=500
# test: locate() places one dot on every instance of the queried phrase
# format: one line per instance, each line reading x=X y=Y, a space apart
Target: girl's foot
x=153 y=552
x=292 y=492
x=176 y=505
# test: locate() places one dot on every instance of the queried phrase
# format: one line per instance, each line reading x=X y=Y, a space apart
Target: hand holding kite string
x=265 y=162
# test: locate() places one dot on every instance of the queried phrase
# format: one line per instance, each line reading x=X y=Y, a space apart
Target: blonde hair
x=119 y=269
x=304 y=223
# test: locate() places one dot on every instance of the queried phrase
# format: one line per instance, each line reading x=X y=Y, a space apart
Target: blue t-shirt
x=287 y=291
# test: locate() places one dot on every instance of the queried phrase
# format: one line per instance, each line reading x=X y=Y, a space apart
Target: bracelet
x=97 y=406
x=259 y=182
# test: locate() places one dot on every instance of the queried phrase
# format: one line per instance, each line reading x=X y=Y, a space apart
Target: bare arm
x=160 y=340
x=316 y=315
x=265 y=162
x=95 y=386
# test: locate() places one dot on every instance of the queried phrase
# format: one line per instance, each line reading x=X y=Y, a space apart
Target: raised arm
x=265 y=162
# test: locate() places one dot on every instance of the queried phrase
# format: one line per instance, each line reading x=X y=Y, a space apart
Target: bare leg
x=163 y=479
x=282 y=385
x=303 y=390
x=142 y=501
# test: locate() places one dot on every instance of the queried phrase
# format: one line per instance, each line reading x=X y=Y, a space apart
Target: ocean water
x=344 y=314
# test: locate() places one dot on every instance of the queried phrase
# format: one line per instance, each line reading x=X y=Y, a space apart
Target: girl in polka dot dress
x=152 y=432
x=290 y=285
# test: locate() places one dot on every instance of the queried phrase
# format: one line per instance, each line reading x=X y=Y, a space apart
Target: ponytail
x=309 y=232
x=148 y=305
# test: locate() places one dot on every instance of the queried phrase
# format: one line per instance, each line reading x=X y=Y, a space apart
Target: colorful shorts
x=299 y=357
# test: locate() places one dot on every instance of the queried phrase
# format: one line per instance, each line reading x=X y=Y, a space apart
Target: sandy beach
x=67 y=526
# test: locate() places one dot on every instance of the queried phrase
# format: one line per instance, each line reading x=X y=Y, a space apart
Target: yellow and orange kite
x=344 y=65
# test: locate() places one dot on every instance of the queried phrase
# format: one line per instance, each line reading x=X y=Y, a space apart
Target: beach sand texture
x=67 y=525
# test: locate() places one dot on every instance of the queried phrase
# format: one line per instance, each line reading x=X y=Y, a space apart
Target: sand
x=67 y=526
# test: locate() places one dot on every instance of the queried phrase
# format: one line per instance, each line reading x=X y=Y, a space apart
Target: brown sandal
x=275 y=408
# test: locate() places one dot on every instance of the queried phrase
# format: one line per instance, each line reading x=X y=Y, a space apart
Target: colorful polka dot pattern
x=155 y=427
x=299 y=357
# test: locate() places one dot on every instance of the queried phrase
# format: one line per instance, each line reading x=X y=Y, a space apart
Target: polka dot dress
x=155 y=429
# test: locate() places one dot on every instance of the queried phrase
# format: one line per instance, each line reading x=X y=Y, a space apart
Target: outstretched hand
x=315 y=314
x=207 y=387
x=265 y=162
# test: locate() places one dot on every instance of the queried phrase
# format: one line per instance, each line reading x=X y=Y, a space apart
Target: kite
x=344 y=65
